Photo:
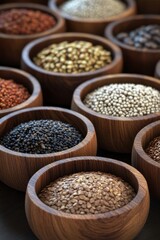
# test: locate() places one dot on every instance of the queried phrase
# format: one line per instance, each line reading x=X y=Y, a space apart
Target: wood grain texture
x=148 y=6
x=11 y=45
x=27 y=81
x=157 y=70
x=123 y=224
x=140 y=160
x=58 y=87
x=115 y=134
x=75 y=24
x=17 y=168
x=135 y=60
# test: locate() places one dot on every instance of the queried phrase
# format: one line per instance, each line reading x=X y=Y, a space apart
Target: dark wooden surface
x=14 y=226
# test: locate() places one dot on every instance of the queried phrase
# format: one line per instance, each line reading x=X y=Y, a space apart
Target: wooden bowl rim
x=109 y=32
x=138 y=144
x=33 y=6
x=35 y=84
x=82 y=106
x=132 y=204
x=130 y=4
x=157 y=71
x=115 y=50
x=89 y=133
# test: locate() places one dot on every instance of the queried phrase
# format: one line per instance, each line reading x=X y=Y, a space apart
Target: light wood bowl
x=157 y=70
x=142 y=161
x=45 y=2
x=27 y=81
x=17 y=168
x=58 y=87
x=114 y=134
x=11 y=45
x=122 y=224
x=135 y=60
x=148 y=7
x=75 y=24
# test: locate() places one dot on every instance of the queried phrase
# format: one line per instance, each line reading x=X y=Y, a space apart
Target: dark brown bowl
x=135 y=60
x=148 y=6
x=26 y=80
x=142 y=161
x=45 y=2
x=11 y=45
x=17 y=168
x=115 y=134
x=157 y=70
x=91 y=25
x=121 y=224
x=58 y=87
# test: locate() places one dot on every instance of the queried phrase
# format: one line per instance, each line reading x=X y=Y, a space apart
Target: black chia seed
x=41 y=137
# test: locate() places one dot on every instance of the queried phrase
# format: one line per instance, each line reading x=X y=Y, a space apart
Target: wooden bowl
x=142 y=161
x=45 y=2
x=26 y=80
x=75 y=24
x=17 y=168
x=11 y=45
x=52 y=83
x=148 y=7
x=114 y=134
x=135 y=60
x=157 y=70
x=122 y=224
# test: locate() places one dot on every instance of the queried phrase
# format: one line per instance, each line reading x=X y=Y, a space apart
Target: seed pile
x=153 y=149
x=87 y=193
x=11 y=94
x=73 y=57
x=147 y=37
x=23 y=21
x=41 y=137
x=96 y=9
x=124 y=100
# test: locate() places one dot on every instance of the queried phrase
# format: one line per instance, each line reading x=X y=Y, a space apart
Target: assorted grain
x=25 y=21
x=124 y=100
x=42 y=137
x=147 y=37
x=73 y=57
x=153 y=149
x=12 y=94
x=93 y=9
x=87 y=193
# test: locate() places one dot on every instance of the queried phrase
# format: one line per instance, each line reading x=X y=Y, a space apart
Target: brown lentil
x=11 y=94
x=87 y=193
x=96 y=9
x=73 y=57
x=25 y=21
x=153 y=149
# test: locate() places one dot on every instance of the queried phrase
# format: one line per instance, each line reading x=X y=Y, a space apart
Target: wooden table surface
x=14 y=226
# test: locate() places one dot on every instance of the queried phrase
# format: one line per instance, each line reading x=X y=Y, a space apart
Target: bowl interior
x=36 y=114
x=70 y=166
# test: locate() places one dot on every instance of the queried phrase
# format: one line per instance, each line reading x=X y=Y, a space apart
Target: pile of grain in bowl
x=124 y=100
x=73 y=57
x=153 y=149
x=42 y=137
x=93 y=9
x=87 y=193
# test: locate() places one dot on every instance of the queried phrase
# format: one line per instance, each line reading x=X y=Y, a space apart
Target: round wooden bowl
x=114 y=134
x=157 y=70
x=148 y=7
x=135 y=60
x=45 y=2
x=11 y=45
x=122 y=224
x=94 y=26
x=17 y=168
x=142 y=161
x=27 y=81
x=58 y=87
